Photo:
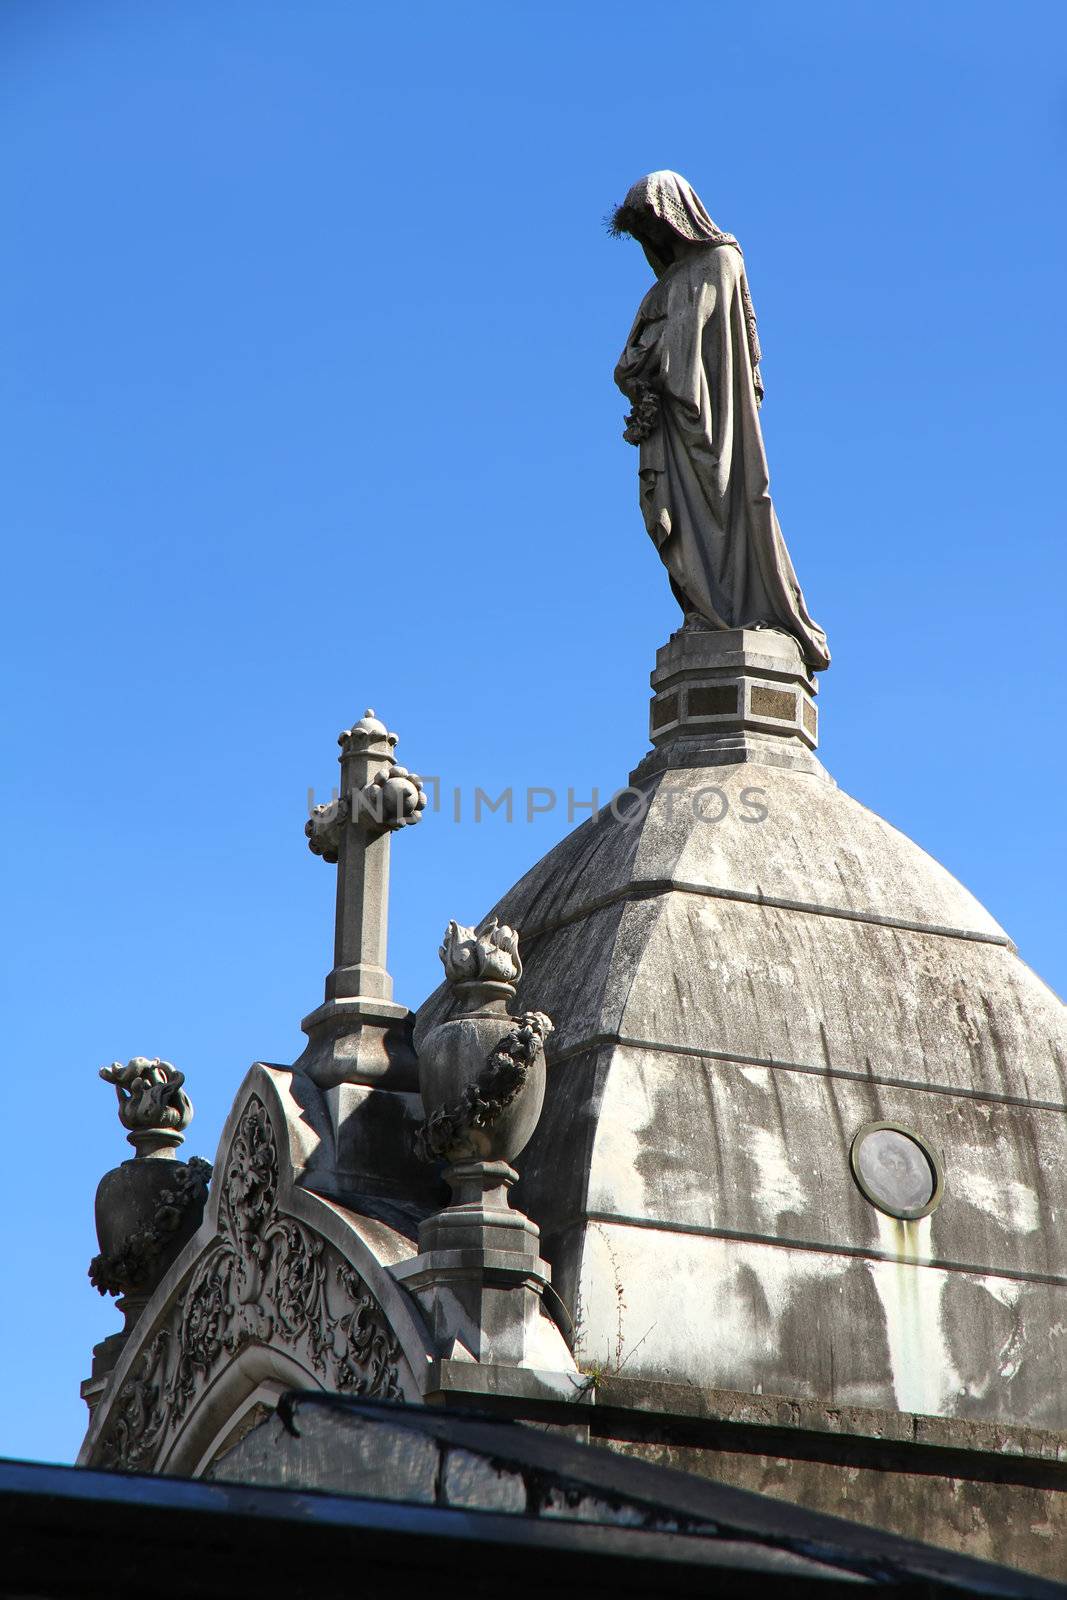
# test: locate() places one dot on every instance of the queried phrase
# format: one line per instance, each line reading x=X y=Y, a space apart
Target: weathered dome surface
x=734 y=999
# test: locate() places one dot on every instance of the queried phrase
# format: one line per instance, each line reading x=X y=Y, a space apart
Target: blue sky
x=309 y=326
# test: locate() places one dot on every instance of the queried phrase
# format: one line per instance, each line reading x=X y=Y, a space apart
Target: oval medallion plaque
x=896 y=1170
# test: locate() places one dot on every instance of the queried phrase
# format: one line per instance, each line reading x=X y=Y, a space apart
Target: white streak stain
x=615 y=1182
x=1012 y=1204
x=1007 y=1294
x=1004 y=1290
x=779 y=1188
x=924 y=1378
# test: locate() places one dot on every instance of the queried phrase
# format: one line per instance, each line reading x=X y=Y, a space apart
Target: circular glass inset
x=897 y=1171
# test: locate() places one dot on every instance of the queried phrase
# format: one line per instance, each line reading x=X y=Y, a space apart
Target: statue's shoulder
x=719 y=261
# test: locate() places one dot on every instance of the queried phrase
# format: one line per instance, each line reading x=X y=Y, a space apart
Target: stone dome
x=746 y=970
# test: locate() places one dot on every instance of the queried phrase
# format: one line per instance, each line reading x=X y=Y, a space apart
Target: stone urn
x=481 y=1070
x=147 y=1209
x=478 y=1276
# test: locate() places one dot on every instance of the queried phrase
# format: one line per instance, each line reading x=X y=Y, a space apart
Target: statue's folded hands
x=643 y=419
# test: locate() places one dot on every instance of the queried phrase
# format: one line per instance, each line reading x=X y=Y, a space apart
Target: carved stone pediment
x=278 y=1289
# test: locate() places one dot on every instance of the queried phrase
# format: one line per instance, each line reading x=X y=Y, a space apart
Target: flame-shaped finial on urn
x=487 y=954
x=151 y=1097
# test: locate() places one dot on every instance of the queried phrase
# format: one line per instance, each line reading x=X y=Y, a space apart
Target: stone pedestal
x=360 y=1040
x=731 y=695
x=479 y=1276
x=105 y=1356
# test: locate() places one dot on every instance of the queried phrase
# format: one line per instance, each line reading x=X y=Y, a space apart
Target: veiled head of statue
x=660 y=210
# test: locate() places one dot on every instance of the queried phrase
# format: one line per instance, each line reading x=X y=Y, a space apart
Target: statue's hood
x=669 y=198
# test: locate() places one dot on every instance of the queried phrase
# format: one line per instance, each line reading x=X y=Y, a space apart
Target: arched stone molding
x=244 y=1391
x=278 y=1289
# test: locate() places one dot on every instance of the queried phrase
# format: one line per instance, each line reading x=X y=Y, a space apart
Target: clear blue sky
x=309 y=325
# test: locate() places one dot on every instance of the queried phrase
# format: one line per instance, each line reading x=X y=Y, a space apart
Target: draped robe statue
x=691 y=371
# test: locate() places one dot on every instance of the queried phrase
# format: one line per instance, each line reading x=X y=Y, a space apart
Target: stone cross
x=359 y=1034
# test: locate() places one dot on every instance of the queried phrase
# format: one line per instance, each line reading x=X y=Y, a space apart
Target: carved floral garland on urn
x=134 y=1265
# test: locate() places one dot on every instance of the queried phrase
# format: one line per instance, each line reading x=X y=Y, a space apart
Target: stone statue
x=691 y=372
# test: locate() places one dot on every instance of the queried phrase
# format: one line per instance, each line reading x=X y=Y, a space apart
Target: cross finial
x=377 y=797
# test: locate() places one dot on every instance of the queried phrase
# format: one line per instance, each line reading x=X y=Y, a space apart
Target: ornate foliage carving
x=269 y=1280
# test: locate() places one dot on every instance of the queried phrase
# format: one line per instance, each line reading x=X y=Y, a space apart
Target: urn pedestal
x=479 y=1276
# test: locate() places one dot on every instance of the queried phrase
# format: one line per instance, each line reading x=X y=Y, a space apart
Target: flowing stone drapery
x=690 y=368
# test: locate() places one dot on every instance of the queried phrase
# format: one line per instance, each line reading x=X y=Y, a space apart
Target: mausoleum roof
x=734 y=1001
